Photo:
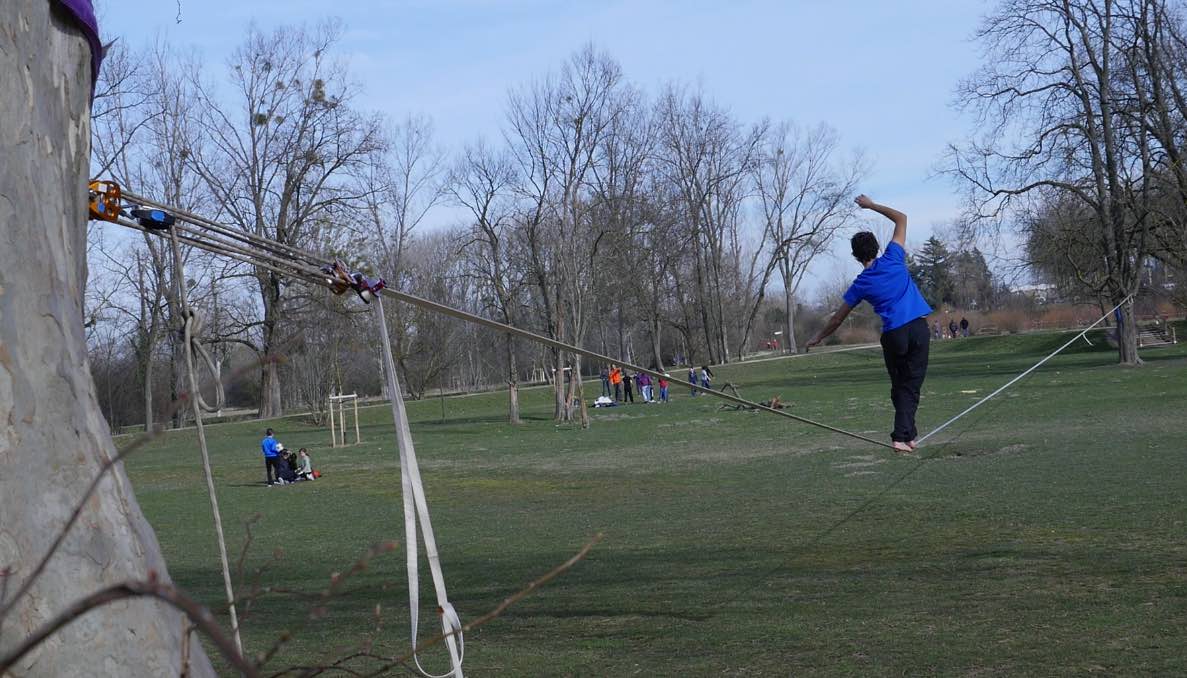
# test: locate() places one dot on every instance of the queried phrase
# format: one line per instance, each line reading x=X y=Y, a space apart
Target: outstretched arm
x=833 y=323
x=900 y=220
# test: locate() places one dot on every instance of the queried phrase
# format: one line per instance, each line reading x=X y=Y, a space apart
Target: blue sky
x=881 y=73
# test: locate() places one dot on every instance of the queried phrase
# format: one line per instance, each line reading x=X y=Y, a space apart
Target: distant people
x=706 y=377
x=645 y=386
x=284 y=468
x=304 y=465
x=964 y=327
x=628 y=393
x=268 y=446
x=936 y=331
x=886 y=283
x=605 y=375
x=953 y=327
x=692 y=379
x=663 y=387
x=616 y=381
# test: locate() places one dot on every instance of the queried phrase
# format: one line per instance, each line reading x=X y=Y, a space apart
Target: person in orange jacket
x=616 y=381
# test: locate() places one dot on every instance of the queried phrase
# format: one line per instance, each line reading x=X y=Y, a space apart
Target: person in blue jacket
x=271 y=458
x=886 y=283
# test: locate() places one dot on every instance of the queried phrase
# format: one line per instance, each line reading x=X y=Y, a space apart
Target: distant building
x=1041 y=293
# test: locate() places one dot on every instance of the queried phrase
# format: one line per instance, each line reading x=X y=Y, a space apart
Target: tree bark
x=1127 y=336
x=789 y=344
x=270 y=403
x=656 y=347
x=512 y=383
x=50 y=424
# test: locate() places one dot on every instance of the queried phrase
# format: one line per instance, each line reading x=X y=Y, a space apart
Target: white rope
x=415 y=505
x=1032 y=368
x=197 y=404
x=193 y=327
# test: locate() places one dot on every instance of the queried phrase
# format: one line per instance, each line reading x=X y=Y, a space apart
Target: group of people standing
x=705 y=375
x=955 y=329
x=282 y=466
x=622 y=386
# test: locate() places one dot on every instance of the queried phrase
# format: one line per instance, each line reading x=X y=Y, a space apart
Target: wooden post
x=357 y=438
x=342 y=419
x=333 y=435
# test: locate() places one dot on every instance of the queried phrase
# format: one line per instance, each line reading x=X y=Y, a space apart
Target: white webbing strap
x=415 y=505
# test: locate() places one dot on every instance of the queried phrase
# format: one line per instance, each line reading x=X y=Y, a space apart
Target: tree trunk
x=148 y=327
x=50 y=424
x=576 y=396
x=175 y=380
x=512 y=383
x=270 y=404
x=789 y=345
x=656 y=348
x=1127 y=336
x=560 y=412
x=558 y=386
x=148 y=413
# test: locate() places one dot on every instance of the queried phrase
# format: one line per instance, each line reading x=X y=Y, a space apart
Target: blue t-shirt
x=888 y=286
x=268 y=445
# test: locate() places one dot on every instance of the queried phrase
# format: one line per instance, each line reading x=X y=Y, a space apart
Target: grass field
x=1042 y=534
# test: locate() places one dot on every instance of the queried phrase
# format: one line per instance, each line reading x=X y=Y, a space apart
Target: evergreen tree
x=972 y=281
x=931 y=268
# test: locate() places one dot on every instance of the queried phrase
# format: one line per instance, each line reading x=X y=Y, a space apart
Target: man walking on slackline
x=888 y=286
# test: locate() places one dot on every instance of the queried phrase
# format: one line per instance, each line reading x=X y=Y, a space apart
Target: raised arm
x=833 y=323
x=900 y=220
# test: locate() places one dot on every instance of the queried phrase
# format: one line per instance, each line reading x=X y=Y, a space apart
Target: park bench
x=1156 y=335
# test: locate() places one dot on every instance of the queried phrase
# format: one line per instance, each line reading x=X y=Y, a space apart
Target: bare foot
x=902 y=448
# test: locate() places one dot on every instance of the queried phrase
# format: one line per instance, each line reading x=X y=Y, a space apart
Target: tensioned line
x=298 y=263
x=295 y=262
x=1032 y=368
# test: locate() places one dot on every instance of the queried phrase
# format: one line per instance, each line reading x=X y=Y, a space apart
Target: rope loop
x=192 y=329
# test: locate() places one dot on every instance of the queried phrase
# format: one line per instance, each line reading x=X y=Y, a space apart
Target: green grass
x=1042 y=534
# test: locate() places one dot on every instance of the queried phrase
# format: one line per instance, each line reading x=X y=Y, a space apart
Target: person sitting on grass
x=886 y=283
x=284 y=468
x=304 y=465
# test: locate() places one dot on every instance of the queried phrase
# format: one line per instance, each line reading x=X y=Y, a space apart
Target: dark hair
x=865 y=246
x=269 y=432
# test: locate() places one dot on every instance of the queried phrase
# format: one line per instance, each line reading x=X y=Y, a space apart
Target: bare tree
x=143 y=141
x=481 y=181
x=634 y=265
x=1064 y=116
x=437 y=343
x=707 y=157
x=280 y=157
x=555 y=129
x=402 y=185
x=804 y=193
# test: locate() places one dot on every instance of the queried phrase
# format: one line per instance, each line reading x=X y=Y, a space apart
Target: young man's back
x=886 y=283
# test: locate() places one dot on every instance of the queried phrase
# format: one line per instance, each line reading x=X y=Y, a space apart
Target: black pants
x=905 y=351
x=271 y=470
